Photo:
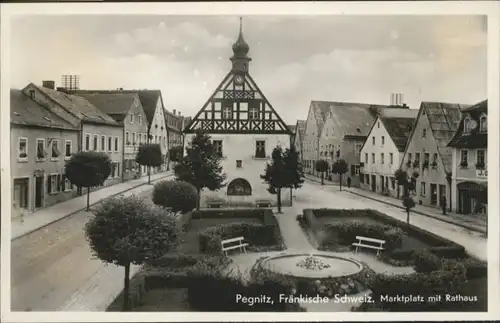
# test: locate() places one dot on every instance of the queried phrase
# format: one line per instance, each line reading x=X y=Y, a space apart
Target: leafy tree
x=126 y=231
x=149 y=155
x=402 y=180
x=176 y=153
x=88 y=169
x=276 y=175
x=201 y=166
x=408 y=203
x=295 y=174
x=176 y=195
x=340 y=168
x=322 y=167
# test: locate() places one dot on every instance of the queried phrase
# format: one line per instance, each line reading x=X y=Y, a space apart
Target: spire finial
x=241 y=24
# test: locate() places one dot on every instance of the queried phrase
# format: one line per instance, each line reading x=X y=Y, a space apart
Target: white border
x=491 y=9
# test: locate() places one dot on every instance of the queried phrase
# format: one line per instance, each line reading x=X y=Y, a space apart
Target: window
x=110 y=143
x=127 y=139
x=417 y=158
x=464 y=158
x=422 y=189
x=95 y=142
x=139 y=119
x=366 y=158
x=131 y=118
x=427 y=158
x=40 y=149
x=68 y=147
x=373 y=158
x=116 y=144
x=117 y=168
x=480 y=158
x=103 y=143
x=253 y=113
x=260 y=149
x=409 y=157
x=356 y=170
x=87 y=142
x=238 y=164
x=373 y=140
x=227 y=112
x=53 y=183
x=133 y=138
x=434 y=159
x=393 y=183
x=358 y=149
x=391 y=158
x=55 y=150
x=383 y=140
x=424 y=133
x=483 y=123
x=378 y=124
x=218 y=147
x=367 y=179
x=66 y=184
x=381 y=158
x=467 y=124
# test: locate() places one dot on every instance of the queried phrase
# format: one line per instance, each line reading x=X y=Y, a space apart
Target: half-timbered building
x=244 y=128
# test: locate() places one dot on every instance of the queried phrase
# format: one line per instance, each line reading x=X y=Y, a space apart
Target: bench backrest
x=370 y=239
x=223 y=242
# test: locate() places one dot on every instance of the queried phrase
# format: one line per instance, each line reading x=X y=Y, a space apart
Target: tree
x=201 y=166
x=127 y=231
x=176 y=153
x=322 y=167
x=176 y=195
x=149 y=155
x=88 y=169
x=340 y=168
x=408 y=203
x=295 y=174
x=402 y=180
x=276 y=174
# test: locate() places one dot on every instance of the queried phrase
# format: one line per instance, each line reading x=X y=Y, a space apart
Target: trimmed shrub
x=179 y=196
x=426 y=262
x=310 y=220
x=256 y=235
x=209 y=289
x=452 y=251
x=234 y=213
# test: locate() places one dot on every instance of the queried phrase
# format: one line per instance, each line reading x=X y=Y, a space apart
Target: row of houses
x=49 y=125
x=442 y=146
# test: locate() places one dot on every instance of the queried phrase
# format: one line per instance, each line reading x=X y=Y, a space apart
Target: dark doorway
x=239 y=187
x=382 y=187
x=38 y=192
x=434 y=194
x=374 y=183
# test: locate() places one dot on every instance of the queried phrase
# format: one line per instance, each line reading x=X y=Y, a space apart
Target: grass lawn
x=190 y=245
x=164 y=300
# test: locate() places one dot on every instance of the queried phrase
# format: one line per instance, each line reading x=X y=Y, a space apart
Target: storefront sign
x=482 y=173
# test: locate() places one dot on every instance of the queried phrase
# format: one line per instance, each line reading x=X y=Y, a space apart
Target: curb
x=425 y=214
x=319 y=182
x=84 y=208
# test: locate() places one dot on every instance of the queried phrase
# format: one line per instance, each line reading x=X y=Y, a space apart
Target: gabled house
x=97 y=130
x=40 y=143
x=126 y=109
x=469 y=181
x=244 y=128
x=298 y=138
x=316 y=117
x=383 y=150
x=427 y=154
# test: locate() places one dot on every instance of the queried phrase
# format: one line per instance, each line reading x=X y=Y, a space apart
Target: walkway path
x=46 y=216
x=473 y=222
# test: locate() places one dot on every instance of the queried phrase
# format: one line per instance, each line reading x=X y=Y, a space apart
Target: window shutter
x=49 y=185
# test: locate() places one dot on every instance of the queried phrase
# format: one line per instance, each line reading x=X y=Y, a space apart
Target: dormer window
x=467 y=124
x=483 y=123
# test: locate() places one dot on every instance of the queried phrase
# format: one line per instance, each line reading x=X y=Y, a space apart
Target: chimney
x=174 y=111
x=49 y=85
x=179 y=113
x=396 y=99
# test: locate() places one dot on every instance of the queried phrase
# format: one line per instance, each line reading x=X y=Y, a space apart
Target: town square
x=239 y=164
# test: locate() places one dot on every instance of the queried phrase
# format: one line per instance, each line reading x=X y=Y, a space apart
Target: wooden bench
x=376 y=244
x=234 y=243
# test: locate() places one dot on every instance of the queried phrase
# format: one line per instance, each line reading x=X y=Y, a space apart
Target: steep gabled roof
x=112 y=103
x=399 y=129
x=148 y=98
x=77 y=106
x=292 y=128
x=473 y=139
x=25 y=111
x=300 y=128
x=320 y=111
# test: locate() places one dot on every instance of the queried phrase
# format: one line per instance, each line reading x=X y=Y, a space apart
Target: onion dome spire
x=240 y=47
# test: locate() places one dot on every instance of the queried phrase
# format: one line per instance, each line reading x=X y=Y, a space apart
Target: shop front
x=472 y=197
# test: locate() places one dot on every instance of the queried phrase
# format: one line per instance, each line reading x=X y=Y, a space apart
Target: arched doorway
x=239 y=187
x=471 y=196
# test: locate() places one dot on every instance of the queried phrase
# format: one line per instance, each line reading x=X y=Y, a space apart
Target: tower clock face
x=238 y=79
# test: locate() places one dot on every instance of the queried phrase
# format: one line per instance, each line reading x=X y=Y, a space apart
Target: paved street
x=50 y=265
x=313 y=195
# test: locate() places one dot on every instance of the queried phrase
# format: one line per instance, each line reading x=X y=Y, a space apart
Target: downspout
x=80 y=148
x=122 y=175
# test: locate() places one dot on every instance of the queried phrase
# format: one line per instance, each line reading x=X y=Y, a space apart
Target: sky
x=295 y=59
